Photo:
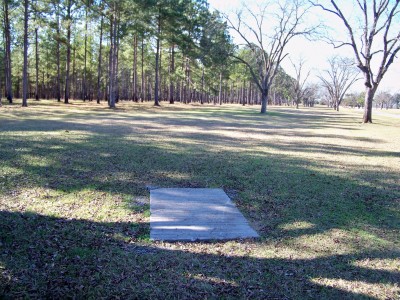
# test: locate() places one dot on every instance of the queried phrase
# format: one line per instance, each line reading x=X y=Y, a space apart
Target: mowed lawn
x=322 y=190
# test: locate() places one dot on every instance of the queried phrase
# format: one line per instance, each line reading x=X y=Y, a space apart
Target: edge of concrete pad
x=247 y=231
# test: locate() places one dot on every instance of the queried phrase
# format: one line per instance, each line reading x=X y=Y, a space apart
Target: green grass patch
x=321 y=189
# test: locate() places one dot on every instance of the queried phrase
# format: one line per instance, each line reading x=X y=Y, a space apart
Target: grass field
x=322 y=190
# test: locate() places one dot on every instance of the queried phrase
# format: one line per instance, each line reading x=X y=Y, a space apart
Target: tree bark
x=202 y=86
x=116 y=63
x=134 y=88
x=113 y=59
x=109 y=83
x=369 y=97
x=186 y=93
x=264 y=99
x=156 y=100
x=184 y=84
x=25 y=68
x=142 y=88
x=220 y=88
x=100 y=59
x=68 y=63
x=0 y=89
x=58 y=83
x=84 y=83
x=74 y=77
x=36 y=65
x=160 y=77
x=172 y=71
x=7 y=37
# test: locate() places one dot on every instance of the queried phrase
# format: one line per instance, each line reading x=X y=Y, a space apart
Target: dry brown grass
x=321 y=188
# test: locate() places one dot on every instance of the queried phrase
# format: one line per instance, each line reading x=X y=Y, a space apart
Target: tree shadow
x=126 y=162
x=48 y=257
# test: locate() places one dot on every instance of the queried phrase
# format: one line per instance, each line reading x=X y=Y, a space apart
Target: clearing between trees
x=320 y=188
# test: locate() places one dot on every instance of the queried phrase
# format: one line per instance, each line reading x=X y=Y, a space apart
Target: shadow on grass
x=125 y=163
x=46 y=257
x=123 y=126
x=43 y=257
x=210 y=118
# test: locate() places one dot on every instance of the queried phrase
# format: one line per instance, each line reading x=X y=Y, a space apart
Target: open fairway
x=321 y=189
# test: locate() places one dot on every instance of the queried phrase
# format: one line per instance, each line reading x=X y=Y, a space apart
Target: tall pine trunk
x=0 y=89
x=99 y=65
x=202 y=87
x=142 y=92
x=249 y=97
x=25 y=68
x=116 y=63
x=160 y=81
x=220 y=88
x=186 y=87
x=109 y=77
x=58 y=83
x=188 y=83
x=84 y=83
x=134 y=79
x=36 y=65
x=171 y=72
x=7 y=37
x=156 y=89
x=111 y=100
x=68 y=63
x=74 y=76
x=113 y=59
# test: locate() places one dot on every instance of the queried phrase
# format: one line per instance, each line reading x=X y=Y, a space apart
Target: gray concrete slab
x=190 y=214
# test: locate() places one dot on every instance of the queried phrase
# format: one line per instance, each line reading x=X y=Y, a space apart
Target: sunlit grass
x=297 y=225
x=320 y=187
x=366 y=289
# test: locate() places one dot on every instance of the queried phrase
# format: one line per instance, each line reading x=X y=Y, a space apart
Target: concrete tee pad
x=188 y=214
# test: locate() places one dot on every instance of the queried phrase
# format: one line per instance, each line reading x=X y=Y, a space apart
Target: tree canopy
x=168 y=50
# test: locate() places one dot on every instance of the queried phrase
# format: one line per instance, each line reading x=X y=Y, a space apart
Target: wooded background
x=126 y=50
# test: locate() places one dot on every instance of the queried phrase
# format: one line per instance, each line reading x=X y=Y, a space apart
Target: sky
x=316 y=53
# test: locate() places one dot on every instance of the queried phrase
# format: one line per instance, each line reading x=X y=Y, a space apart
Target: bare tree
x=267 y=35
x=299 y=88
x=311 y=94
x=384 y=99
x=338 y=79
x=375 y=45
x=396 y=100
